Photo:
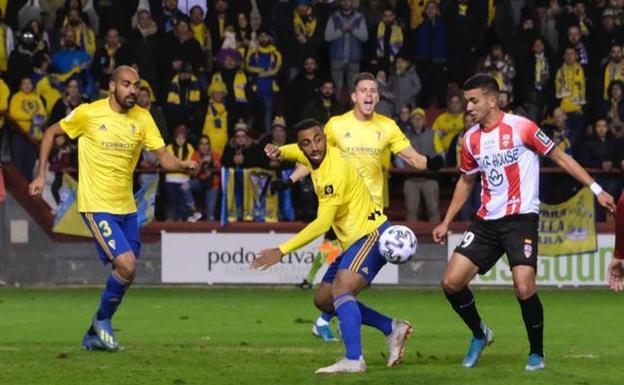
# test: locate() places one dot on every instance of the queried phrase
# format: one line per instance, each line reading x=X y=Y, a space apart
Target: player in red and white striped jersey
x=616 y=268
x=503 y=149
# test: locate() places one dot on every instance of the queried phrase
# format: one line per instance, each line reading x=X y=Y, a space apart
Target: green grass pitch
x=262 y=336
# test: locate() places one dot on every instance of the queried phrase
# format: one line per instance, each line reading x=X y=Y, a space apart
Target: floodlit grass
x=262 y=336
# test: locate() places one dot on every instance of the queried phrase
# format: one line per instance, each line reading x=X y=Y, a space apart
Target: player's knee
x=126 y=268
x=524 y=290
x=323 y=303
x=450 y=286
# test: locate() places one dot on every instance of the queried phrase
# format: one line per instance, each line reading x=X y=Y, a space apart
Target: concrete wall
x=28 y=257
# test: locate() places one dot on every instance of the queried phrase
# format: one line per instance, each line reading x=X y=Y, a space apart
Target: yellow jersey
x=5 y=93
x=446 y=126
x=109 y=146
x=363 y=143
x=344 y=201
x=28 y=111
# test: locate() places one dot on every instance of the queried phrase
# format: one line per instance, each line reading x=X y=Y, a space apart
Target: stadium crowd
x=224 y=78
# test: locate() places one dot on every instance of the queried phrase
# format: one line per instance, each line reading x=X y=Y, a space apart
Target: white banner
x=225 y=258
x=586 y=269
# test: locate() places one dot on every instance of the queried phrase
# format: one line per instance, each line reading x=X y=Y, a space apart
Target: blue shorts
x=113 y=234
x=362 y=257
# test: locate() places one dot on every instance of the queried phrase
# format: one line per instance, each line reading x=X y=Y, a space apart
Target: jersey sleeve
x=467 y=163
x=398 y=141
x=151 y=136
x=292 y=153
x=536 y=139
x=75 y=124
x=322 y=223
x=330 y=133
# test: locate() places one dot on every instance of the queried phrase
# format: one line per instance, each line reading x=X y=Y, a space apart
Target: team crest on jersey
x=539 y=134
x=506 y=139
x=378 y=135
x=112 y=244
x=528 y=248
x=329 y=189
x=132 y=128
x=495 y=178
x=102 y=128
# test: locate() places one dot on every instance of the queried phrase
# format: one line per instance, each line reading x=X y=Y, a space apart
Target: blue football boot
x=476 y=348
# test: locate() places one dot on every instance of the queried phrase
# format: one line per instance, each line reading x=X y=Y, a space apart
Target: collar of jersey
x=501 y=114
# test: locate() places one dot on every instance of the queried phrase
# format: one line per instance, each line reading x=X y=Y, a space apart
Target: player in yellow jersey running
x=362 y=135
x=346 y=205
x=111 y=133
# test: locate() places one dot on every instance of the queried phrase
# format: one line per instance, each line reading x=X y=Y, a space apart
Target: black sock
x=533 y=316
x=464 y=304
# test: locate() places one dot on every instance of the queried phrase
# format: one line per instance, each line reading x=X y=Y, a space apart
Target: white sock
x=321 y=322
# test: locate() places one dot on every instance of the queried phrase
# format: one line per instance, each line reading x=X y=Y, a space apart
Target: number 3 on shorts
x=467 y=239
x=106 y=230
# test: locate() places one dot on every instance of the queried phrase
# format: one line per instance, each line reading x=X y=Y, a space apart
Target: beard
x=126 y=103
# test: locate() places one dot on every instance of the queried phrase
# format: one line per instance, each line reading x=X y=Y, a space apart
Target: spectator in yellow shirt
x=216 y=121
x=27 y=110
x=450 y=123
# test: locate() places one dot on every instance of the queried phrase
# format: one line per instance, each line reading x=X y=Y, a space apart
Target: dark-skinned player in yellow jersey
x=346 y=205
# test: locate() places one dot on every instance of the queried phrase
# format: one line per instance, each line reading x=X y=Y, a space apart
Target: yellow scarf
x=4 y=57
x=396 y=40
x=417 y=10
x=491 y=12
x=307 y=27
x=612 y=72
x=570 y=87
x=199 y=33
x=240 y=84
x=193 y=92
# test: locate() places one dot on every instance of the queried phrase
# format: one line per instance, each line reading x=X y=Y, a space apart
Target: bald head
x=124 y=72
x=124 y=86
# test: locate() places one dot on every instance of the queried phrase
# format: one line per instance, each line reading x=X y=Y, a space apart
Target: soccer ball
x=397 y=244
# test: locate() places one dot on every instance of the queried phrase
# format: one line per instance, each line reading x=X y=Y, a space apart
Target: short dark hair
x=364 y=76
x=306 y=124
x=483 y=81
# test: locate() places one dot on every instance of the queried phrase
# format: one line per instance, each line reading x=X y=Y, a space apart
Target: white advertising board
x=586 y=269
x=225 y=258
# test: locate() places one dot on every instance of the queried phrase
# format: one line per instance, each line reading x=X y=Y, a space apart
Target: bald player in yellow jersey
x=346 y=205
x=111 y=133
x=362 y=136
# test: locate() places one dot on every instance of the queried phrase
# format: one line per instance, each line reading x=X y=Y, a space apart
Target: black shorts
x=485 y=241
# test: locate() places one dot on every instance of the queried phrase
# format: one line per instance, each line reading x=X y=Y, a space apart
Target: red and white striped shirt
x=507 y=156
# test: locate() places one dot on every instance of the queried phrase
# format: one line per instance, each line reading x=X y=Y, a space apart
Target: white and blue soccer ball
x=397 y=244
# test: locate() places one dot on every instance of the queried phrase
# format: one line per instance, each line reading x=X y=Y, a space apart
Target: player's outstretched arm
x=269 y=257
x=36 y=186
x=171 y=163
x=463 y=188
x=571 y=166
x=616 y=274
x=421 y=162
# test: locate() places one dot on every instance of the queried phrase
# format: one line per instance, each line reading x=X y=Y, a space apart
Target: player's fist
x=279 y=185
x=606 y=200
x=190 y=167
x=616 y=274
x=439 y=233
x=36 y=186
x=272 y=151
x=434 y=163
